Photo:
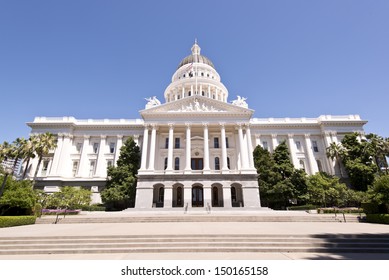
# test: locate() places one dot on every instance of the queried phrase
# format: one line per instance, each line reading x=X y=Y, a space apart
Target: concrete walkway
x=183 y=228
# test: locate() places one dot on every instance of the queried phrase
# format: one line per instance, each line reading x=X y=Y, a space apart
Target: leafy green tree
x=120 y=190
x=379 y=191
x=278 y=180
x=69 y=198
x=18 y=197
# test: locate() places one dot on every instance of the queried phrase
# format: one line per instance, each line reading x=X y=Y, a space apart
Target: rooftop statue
x=241 y=101
x=152 y=102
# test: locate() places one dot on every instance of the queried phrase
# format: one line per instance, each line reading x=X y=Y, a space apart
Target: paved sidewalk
x=183 y=228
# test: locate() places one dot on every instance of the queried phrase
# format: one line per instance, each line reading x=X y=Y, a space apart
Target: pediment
x=196 y=106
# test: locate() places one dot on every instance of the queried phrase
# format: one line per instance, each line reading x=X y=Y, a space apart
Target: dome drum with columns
x=197 y=148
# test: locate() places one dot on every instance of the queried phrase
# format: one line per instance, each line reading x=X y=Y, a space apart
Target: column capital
x=119 y=136
x=188 y=125
x=327 y=133
x=103 y=136
x=205 y=124
x=135 y=136
x=274 y=136
x=257 y=135
x=86 y=137
x=171 y=125
x=307 y=135
x=222 y=124
x=60 y=134
x=290 y=135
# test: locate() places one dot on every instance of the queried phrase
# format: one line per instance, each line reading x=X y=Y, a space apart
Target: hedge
x=340 y=210
x=12 y=221
x=377 y=218
x=303 y=207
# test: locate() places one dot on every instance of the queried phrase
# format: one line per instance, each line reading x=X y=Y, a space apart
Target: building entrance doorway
x=197 y=164
x=197 y=197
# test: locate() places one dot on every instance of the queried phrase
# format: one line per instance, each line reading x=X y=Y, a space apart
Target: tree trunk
x=37 y=168
x=25 y=170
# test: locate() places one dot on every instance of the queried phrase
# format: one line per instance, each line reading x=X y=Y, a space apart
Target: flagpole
x=196 y=56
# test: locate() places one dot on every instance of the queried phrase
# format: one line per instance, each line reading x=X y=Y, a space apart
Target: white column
x=274 y=141
x=152 y=147
x=250 y=147
x=64 y=165
x=293 y=151
x=136 y=139
x=101 y=168
x=168 y=197
x=191 y=90
x=201 y=90
x=258 y=140
x=209 y=91
x=57 y=155
x=311 y=158
x=183 y=90
x=243 y=151
x=170 y=149
x=144 y=148
x=227 y=196
x=224 y=148
x=330 y=162
x=188 y=167
x=119 y=143
x=206 y=148
x=83 y=169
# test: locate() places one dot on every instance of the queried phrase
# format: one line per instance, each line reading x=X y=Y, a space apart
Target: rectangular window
x=45 y=166
x=227 y=145
x=112 y=147
x=78 y=147
x=74 y=168
x=92 y=165
x=265 y=145
x=315 y=148
x=166 y=143
x=216 y=142
x=298 y=145
x=109 y=163
x=177 y=143
x=95 y=147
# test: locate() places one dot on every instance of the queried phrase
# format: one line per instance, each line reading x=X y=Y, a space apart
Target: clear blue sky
x=100 y=59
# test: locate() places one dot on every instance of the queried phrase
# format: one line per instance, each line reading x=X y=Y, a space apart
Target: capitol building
x=197 y=146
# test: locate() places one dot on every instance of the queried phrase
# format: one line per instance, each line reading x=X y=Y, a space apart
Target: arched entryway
x=178 y=195
x=236 y=195
x=158 y=195
x=217 y=195
x=197 y=196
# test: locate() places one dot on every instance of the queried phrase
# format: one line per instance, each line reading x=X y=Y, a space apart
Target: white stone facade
x=196 y=147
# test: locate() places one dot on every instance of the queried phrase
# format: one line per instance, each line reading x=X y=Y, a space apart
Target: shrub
x=340 y=210
x=95 y=207
x=377 y=218
x=303 y=207
x=12 y=221
x=370 y=208
x=38 y=209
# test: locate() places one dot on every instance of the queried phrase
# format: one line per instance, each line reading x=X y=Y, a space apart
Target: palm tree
x=18 y=149
x=42 y=144
x=378 y=148
x=336 y=151
x=28 y=154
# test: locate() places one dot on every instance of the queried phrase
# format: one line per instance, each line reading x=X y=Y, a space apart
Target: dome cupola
x=196 y=75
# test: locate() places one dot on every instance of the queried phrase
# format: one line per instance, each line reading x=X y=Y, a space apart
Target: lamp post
x=8 y=169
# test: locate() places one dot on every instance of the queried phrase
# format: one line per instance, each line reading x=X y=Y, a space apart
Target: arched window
x=233 y=194
x=160 y=194
x=165 y=165
x=190 y=93
x=177 y=163
x=217 y=163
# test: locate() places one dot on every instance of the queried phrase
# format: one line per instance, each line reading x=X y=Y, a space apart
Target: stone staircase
x=70 y=219
x=199 y=243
